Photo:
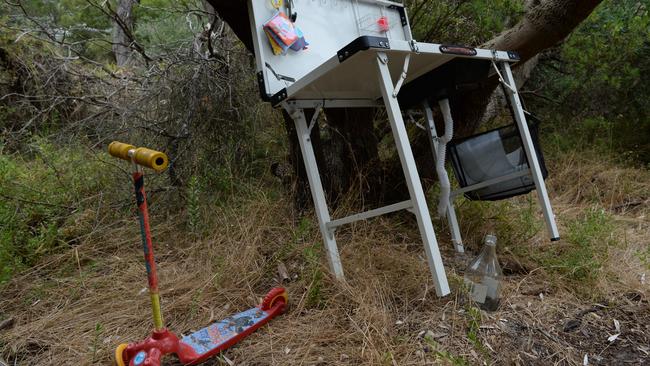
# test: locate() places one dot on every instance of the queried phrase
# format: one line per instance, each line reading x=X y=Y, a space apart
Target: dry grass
x=76 y=306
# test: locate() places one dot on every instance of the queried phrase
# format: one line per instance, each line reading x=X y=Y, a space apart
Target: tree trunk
x=545 y=24
x=349 y=157
x=123 y=31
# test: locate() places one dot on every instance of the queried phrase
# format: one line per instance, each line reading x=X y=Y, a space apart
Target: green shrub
x=193 y=206
x=581 y=256
x=314 y=274
x=48 y=199
x=577 y=260
x=595 y=88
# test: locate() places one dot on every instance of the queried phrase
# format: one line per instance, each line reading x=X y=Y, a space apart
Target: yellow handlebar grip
x=151 y=159
x=141 y=155
x=120 y=150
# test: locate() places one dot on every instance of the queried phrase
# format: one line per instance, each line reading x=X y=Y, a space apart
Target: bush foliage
x=594 y=88
x=63 y=99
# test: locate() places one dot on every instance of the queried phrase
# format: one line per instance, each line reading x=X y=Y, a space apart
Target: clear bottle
x=483 y=276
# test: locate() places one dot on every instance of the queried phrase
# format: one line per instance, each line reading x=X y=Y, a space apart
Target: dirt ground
x=75 y=307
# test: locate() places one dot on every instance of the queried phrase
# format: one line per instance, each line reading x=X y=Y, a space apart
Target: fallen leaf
x=613 y=338
x=7 y=323
x=282 y=272
x=572 y=325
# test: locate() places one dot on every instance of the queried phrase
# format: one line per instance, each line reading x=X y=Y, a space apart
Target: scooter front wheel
x=119 y=354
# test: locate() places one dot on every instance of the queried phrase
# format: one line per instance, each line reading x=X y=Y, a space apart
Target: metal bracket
x=414 y=46
x=278 y=97
x=503 y=82
x=402 y=77
x=280 y=77
x=496 y=68
x=317 y=109
x=361 y=44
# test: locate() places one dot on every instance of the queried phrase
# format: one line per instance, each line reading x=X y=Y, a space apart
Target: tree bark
x=545 y=24
x=123 y=30
x=351 y=153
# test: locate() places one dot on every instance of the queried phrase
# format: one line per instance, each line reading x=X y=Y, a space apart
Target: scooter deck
x=199 y=346
x=220 y=335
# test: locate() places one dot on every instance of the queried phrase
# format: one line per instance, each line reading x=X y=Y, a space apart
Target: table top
x=352 y=73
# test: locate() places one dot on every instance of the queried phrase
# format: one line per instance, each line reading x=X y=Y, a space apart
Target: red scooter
x=202 y=344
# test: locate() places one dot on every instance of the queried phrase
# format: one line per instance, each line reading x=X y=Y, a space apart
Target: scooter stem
x=158 y=161
x=147 y=246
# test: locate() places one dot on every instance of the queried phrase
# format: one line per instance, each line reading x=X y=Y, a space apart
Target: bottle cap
x=491 y=240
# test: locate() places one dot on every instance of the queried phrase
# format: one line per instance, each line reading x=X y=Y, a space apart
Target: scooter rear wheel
x=119 y=354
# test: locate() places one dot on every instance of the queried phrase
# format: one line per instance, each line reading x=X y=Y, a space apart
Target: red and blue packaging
x=284 y=35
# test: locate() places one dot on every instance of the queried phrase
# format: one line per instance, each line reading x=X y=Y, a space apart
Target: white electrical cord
x=445 y=185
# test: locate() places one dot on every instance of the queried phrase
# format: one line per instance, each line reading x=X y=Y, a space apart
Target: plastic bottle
x=483 y=276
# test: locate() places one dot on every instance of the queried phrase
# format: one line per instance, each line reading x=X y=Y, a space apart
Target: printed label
x=139 y=358
x=478 y=291
x=207 y=339
x=493 y=287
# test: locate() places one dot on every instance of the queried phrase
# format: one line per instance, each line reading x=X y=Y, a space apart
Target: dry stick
x=76 y=254
x=36 y=202
x=630 y=205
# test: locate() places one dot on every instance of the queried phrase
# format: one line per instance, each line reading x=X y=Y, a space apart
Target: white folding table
x=352 y=62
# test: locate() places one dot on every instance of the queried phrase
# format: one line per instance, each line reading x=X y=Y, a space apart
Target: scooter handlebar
x=153 y=159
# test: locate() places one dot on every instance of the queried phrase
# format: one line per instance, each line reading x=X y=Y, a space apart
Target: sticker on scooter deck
x=209 y=338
